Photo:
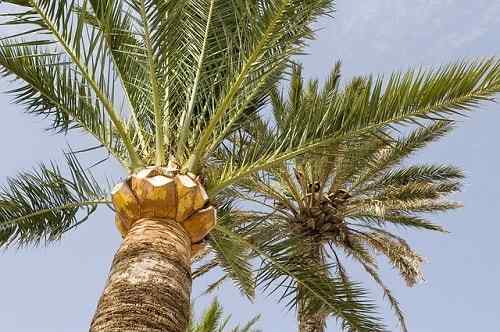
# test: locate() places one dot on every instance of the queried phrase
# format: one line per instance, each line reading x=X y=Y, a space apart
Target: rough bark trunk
x=311 y=322
x=149 y=285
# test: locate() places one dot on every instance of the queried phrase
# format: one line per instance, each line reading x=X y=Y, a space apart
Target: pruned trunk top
x=165 y=193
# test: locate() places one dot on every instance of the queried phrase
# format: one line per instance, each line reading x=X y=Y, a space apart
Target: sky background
x=56 y=288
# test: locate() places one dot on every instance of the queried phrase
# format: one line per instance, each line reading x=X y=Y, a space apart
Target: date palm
x=169 y=89
x=347 y=200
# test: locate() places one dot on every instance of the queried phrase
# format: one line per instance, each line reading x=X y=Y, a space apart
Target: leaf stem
x=188 y=113
x=159 y=136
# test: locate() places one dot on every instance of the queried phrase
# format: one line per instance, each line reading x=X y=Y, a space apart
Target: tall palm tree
x=346 y=200
x=169 y=89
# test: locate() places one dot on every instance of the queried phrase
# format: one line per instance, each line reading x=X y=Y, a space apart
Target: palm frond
x=390 y=153
x=402 y=219
x=84 y=50
x=396 y=177
x=53 y=90
x=212 y=321
x=401 y=256
x=232 y=255
x=211 y=318
x=407 y=206
x=116 y=26
x=203 y=269
x=388 y=294
x=149 y=13
x=207 y=16
x=40 y=206
x=248 y=327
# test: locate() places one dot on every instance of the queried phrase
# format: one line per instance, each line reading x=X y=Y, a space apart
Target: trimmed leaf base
x=163 y=193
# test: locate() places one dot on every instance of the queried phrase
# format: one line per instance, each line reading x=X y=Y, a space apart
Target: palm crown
x=186 y=81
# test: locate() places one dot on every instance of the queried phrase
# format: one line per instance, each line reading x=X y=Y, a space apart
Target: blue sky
x=56 y=288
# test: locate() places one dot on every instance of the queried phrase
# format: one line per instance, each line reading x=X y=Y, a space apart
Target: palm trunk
x=308 y=322
x=149 y=285
x=312 y=323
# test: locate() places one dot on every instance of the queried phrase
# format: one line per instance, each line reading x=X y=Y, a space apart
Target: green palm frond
x=115 y=24
x=213 y=321
x=82 y=49
x=403 y=219
x=387 y=155
x=40 y=206
x=248 y=327
x=211 y=318
x=200 y=51
x=53 y=89
x=68 y=31
x=231 y=255
x=394 y=196
x=420 y=190
x=215 y=285
x=415 y=173
x=358 y=249
x=409 y=206
x=387 y=293
x=149 y=16
x=399 y=254
x=188 y=70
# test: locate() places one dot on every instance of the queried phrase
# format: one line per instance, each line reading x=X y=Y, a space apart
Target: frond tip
x=41 y=205
x=213 y=321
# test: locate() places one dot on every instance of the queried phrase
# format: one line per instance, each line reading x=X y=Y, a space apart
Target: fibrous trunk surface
x=149 y=285
x=311 y=322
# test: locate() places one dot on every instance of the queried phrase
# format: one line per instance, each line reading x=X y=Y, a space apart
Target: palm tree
x=169 y=89
x=345 y=200
x=213 y=321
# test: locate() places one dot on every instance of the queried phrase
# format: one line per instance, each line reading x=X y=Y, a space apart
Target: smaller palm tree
x=345 y=201
x=213 y=320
